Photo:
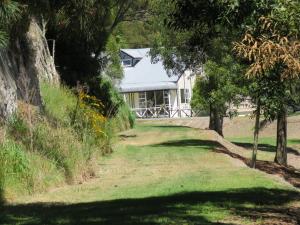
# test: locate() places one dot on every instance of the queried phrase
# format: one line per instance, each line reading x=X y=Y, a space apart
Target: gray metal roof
x=136 y=53
x=145 y=75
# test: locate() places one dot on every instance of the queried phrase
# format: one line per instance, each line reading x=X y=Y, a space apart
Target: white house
x=150 y=91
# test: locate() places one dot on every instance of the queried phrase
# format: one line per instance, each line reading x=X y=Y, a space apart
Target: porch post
x=170 y=105
x=155 y=110
x=178 y=103
x=124 y=96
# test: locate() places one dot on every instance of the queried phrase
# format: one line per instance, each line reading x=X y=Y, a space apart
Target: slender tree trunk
x=216 y=121
x=281 y=147
x=256 y=134
x=219 y=124
x=211 y=118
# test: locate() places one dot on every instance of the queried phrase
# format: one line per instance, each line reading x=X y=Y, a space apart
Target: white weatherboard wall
x=187 y=82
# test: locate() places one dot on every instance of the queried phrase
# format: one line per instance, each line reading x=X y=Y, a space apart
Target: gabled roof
x=145 y=75
x=136 y=53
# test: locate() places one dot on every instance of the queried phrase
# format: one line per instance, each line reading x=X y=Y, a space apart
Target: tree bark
x=216 y=121
x=281 y=146
x=256 y=134
x=211 y=120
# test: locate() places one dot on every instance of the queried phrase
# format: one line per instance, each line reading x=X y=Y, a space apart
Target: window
x=127 y=62
x=185 y=95
x=166 y=97
x=150 y=99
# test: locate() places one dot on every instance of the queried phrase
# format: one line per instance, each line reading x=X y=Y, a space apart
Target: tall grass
x=59 y=102
x=15 y=166
x=125 y=118
x=59 y=146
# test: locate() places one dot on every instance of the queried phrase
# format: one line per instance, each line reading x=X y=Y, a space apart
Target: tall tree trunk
x=216 y=121
x=256 y=134
x=211 y=118
x=281 y=147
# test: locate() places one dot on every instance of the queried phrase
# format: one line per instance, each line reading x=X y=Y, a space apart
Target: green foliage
x=104 y=89
x=221 y=84
x=9 y=14
x=82 y=30
x=287 y=16
x=135 y=34
x=114 y=68
x=274 y=94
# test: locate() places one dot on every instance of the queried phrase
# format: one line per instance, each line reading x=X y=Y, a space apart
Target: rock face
x=23 y=65
x=40 y=60
x=8 y=88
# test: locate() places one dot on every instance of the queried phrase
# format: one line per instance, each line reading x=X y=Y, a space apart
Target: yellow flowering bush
x=92 y=108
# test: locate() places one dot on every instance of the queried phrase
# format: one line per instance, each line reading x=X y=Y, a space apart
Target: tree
x=137 y=30
x=219 y=87
x=191 y=26
x=192 y=34
x=275 y=61
x=82 y=29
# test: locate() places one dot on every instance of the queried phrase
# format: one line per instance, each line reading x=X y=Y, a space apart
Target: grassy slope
x=162 y=175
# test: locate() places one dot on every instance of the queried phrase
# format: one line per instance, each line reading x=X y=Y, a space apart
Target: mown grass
x=175 y=178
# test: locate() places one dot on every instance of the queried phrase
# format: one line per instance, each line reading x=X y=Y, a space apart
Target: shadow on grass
x=290 y=174
x=184 y=208
x=294 y=141
x=265 y=147
x=204 y=144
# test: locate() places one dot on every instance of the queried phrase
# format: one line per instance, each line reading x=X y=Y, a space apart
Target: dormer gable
x=131 y=57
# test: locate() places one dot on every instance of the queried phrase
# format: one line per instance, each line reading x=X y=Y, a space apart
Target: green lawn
x=266 y=146
x=162 y=175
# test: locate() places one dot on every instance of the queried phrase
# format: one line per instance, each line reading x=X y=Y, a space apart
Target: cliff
x=23 y=65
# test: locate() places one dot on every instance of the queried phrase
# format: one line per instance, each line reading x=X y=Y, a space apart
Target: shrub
x=91 y=123
x=104 y=90
x=125 y=119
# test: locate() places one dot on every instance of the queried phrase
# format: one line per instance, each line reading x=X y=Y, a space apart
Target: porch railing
x=163 y=112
